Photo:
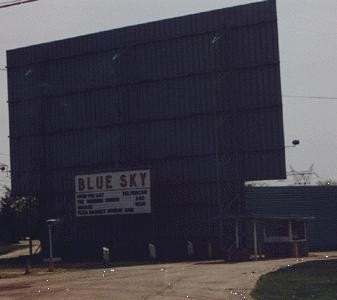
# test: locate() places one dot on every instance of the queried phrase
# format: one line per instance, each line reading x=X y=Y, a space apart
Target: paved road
x=211 y=280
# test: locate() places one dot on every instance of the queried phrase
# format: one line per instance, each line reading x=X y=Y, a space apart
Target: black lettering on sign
x=97 y=211
x=126 y=193
x=115 y=210
x=133 y=180
x=100 y=200
x=108 y=181
x=99 y=182
x=142 y=192
x=111 y=199
x=81 y=184
x=140 y=198
x=82 y=196
x=85 y=207
x=136 y=192
x=142 y=177
x=80 y=201
x=89 y=186
x=140 y=203
x=128 y=209
x=123 y=182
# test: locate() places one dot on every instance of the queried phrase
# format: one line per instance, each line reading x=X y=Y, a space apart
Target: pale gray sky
x=308 y=51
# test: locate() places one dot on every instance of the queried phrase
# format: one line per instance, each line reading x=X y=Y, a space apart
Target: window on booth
x=298 y=230
x=277 y=228
x=276 y=231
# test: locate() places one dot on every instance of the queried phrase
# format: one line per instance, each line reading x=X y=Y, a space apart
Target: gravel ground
x=209 y=280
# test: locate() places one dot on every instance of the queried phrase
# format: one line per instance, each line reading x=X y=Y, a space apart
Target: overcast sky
x=308 y=51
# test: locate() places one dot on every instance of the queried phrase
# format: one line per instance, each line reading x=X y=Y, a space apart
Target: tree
x=18 y=217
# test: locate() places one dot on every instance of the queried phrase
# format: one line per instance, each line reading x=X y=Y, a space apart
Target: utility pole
x=228 y=157
x=302 y=177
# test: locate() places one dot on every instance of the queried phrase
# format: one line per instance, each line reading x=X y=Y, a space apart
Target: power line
x=284 y=96
x=15 y=2
x=310 y=97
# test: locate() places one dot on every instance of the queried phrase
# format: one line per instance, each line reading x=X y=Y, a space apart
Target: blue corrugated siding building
x=317 y=201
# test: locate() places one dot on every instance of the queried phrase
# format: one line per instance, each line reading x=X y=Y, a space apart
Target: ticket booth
x=285 y=237
x=269 y=237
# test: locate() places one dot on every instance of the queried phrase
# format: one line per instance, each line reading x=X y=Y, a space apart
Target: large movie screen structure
x=192 y=102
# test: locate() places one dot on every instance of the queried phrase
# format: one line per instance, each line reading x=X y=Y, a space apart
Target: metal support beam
x=237 y=237
x=255 y=239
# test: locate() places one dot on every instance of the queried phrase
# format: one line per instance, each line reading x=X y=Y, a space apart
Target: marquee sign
x=112 y=193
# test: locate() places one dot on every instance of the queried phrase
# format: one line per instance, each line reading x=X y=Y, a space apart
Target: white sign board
x=127 y=192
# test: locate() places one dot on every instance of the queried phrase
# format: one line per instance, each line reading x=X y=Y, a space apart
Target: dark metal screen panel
x=165 y=96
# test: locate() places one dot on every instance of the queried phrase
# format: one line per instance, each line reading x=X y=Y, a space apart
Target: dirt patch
x=171 y=281
x=14 y=287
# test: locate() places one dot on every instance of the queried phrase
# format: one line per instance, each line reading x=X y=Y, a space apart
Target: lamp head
x=53 y=221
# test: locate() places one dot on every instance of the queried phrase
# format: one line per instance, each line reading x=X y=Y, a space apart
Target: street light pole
x=50 y=243
x=51 y=222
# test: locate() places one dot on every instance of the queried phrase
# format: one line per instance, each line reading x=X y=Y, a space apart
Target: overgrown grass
x=309 y=280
